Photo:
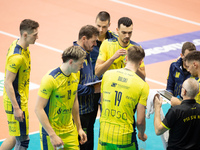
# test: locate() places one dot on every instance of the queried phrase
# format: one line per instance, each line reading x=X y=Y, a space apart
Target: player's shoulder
x=176 y=64
x=111 y=34
x=110 y=72
x=113 y=39
x=134 y=43
x=54 y=72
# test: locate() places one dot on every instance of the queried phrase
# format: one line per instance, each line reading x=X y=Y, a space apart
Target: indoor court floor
x=160 y=26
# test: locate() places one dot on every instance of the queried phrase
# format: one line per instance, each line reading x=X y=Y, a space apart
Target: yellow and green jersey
x=61 y=91
x=122 y=90
x=197 y=98
x=18 y=61
x=109 y=47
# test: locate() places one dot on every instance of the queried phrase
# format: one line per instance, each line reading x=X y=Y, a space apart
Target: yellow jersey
x=61 y=91
x=18 y=61
x=109 y=47
x=122 y=90
x=197 y=98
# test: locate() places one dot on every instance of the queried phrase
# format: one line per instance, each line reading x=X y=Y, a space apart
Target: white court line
x=156 y=12
x=60 y=51
x=157 y=82
x=38 y=44
x=36 y=132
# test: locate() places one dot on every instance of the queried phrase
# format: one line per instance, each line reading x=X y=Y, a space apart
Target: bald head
x=192 y=88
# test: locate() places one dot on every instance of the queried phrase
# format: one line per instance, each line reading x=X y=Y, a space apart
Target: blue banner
x=168 y=48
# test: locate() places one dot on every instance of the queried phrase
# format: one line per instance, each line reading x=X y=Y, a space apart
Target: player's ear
x=140 y=62
x=117 y=29
x=196 y=64
x=25 y=34
x=109 y=24
x=84 y=38
x=126 y=58
x=181 y=55
x=71 y=61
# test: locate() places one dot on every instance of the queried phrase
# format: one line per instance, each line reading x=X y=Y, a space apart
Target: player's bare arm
x=39 y=110
x=102 y=66
x=75 y=114
x=10 y=77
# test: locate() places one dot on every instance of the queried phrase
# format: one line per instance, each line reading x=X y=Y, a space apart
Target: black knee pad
x=25 y=143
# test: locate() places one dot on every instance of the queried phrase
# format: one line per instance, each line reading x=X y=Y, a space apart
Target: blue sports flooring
x=153 y=142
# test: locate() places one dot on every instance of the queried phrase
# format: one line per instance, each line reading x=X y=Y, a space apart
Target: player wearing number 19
x=122 y=92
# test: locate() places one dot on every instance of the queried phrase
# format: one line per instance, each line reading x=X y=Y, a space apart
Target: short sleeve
x=46 y=87
x=170 y=119
x=102 y=51
x=14 y=62
x=144 y=95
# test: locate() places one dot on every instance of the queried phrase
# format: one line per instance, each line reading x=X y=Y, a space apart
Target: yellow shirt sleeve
x=144 y=95
x=14 y=63
x=103 y=51
x=46 y=87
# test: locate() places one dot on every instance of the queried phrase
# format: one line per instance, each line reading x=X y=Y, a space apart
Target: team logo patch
x=177 y=75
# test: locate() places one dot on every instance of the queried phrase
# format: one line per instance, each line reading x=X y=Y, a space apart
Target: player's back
x=122 y=90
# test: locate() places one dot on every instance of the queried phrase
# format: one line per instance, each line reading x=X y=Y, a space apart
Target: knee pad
x=25 y=143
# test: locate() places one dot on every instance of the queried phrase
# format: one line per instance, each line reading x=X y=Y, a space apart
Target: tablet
x=165 y=94
x=92 y=83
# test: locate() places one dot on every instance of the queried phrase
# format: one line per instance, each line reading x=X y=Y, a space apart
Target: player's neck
x=22 y=43
x=80 y=43
x=65 y=69
x=131 y=66
x=102 y=37
x=122 y=43
x=186 y=97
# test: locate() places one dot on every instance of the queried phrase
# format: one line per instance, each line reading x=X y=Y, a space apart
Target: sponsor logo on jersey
x=64 y=111
x=12 y=129
x=44 y=91
x=68 y=83
x=113 y=84
x=115 y=113
x=122 y=79
x=13 y=66
x=60 y=96
x=106 y=100
x=75 y=81
x=11 y=122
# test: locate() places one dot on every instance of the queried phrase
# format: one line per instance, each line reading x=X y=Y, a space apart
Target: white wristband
x=60 y=147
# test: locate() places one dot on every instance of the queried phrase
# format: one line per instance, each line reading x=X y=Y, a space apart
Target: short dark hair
x=88 y=31
x=188 y=46
x=125 y=21
x=135 y=53
x=28 y=25
x=103 y=16
x=194 y=55
x=73 y=52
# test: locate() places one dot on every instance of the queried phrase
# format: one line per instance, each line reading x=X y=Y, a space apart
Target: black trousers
x=87 y=122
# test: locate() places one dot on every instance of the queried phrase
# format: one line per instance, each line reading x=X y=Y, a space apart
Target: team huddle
x=67 y=107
